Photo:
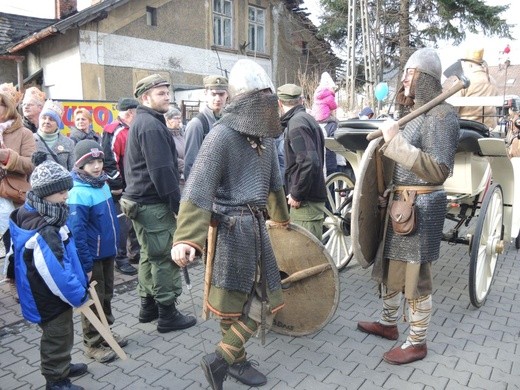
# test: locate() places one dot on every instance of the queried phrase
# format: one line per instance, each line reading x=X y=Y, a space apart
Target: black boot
x=215 y=368
x=149 y=310
x=247 y=374
x=172 y=319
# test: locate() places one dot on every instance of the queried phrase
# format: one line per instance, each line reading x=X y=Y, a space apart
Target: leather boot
x=409 y=354
x=149 y=310
x=247 y=374
x=215 y=368
x=386 y=331
x=172 y=319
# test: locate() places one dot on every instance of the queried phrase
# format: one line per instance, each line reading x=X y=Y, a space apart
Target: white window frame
x=223 y=23
x=256 y=29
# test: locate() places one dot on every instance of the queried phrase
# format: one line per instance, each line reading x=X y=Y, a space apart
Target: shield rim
x=366 y=159
x=335 y=276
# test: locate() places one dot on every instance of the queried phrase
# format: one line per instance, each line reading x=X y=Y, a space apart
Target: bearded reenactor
x=424 y=153
x=151 y=200
x=234 y=183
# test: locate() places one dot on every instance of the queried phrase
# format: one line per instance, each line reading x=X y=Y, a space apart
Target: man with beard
x=234 y=183
x=424 y=153
x=151 y=200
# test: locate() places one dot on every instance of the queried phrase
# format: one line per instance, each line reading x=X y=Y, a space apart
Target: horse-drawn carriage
x=482 y=188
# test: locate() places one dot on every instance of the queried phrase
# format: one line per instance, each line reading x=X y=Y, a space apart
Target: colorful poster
x=102 y=113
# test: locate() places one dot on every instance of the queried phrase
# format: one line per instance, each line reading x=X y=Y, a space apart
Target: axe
x=462 y=82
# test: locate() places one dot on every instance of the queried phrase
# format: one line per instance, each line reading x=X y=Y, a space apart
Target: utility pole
x=368 y=53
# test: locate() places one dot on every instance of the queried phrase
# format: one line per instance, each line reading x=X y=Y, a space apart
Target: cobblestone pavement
x=468 y=348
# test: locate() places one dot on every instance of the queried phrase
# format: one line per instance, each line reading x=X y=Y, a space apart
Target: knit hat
x=34 y=95
x=125 y=104
x=86 y=151
x=50 y=178
x=53 y=109
x=149 y=82
x=9 y=89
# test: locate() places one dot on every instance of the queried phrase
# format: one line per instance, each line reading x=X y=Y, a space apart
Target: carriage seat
x=470 y=133
x=352 y=134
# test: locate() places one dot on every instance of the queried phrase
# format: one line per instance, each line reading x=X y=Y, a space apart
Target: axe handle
x=421 y=110
x=305 y=273
x=212 y=241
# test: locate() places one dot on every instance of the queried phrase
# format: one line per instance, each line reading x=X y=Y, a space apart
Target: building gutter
x=36 y=37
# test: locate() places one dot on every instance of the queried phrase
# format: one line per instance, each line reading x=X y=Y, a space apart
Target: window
x=223 y=23
x=151 y=16
x=256 y=29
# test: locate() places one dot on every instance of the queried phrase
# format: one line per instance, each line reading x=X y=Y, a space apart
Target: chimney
x=65 y=8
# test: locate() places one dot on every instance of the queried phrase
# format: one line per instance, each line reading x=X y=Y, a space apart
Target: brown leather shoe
x=386 y=331
x=407 y=355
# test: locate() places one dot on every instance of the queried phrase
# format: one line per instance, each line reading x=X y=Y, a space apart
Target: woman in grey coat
x=49 y=140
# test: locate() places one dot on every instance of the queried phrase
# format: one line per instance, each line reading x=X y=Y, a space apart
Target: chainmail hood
x=426 y=88
x=253 y=114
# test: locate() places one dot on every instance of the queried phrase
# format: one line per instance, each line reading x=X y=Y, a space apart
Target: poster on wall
x=103 y=113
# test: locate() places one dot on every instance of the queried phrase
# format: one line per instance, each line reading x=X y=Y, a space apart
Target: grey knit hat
x=50 y=178
x=87 y=150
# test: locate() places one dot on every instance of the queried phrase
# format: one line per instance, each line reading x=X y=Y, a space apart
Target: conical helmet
x=247 y=76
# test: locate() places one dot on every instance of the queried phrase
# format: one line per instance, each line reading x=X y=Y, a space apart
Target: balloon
x=381 y=91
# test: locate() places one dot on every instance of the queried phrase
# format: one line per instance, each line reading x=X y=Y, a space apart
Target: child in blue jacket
x=49 y=275
x=94 y=225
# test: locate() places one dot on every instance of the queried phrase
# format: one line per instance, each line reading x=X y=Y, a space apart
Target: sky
x=492 y=46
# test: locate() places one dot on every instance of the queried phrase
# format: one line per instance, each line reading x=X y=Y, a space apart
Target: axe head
x=456 y=70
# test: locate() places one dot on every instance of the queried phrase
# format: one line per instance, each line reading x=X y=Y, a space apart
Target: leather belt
x=419 y=190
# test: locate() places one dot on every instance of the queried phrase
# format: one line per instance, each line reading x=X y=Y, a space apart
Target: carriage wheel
x=336 y=232
x=486 y=245
x=517 y=241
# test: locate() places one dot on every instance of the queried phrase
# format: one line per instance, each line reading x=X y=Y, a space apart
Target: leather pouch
x=402 y=214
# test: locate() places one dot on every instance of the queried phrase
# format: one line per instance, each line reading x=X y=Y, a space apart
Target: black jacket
x=304 y=149
x=151 y=172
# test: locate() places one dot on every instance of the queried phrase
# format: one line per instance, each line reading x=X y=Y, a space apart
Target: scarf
x=54 y=214
x=3 y=127
x=96 y=182
x=49 y=139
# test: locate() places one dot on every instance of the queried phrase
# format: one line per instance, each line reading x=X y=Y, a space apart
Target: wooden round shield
x=367 y=218
x=310 y=281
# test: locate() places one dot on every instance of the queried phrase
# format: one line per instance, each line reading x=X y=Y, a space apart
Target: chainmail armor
x=262 y=119
x=435 y=133
x=232 y=181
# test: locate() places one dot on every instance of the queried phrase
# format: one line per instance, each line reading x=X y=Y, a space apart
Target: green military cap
x=149 y=82
x=289 y=92
x=218 y=83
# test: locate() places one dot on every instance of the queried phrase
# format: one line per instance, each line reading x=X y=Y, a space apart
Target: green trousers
x=55 y=346
x=158 y=276
x=310 y=215
x=103 y=274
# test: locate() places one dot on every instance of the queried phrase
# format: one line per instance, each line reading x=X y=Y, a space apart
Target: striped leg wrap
x=420 y=310
x=391 y=304
x=238 y=333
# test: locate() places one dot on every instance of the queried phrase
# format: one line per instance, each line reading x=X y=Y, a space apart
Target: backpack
x=205 y=124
